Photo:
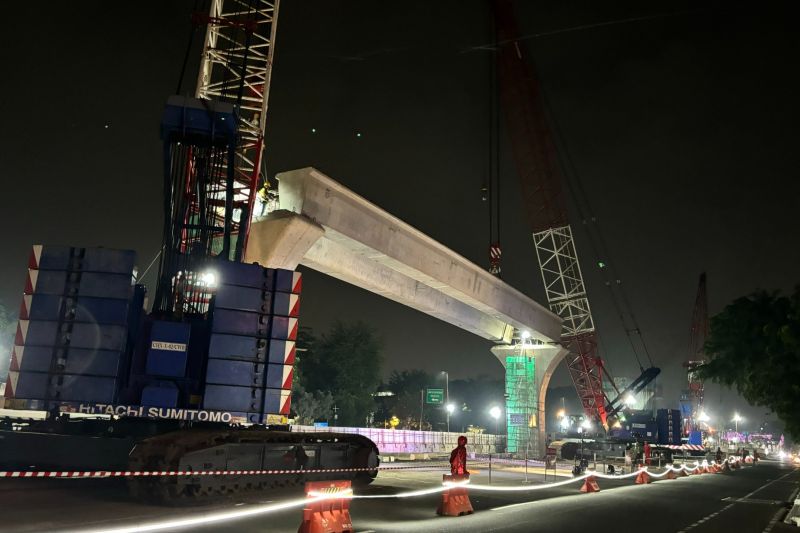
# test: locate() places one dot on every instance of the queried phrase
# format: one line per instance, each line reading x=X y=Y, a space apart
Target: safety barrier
x=590 y=485
x=393 y=441
x=334 y=498
x=328 y=508
x=455 y=499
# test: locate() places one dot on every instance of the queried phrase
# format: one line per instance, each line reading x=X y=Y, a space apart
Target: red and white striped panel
x=288 y=375
x=294 y=305
x=292 y=334
x=297 y=282
x=289 y=351
x=25 y=306
x=11 y=384
x=30 y=282
x=36 y=255
x=22 y=332
x=689 y=447
x=286 y=304
x=17 y=352
x=286 y=401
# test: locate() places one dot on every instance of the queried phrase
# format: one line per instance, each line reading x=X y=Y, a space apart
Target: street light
x=495 y=413
x=736 y=420
x=447 y=396
x=585 y=426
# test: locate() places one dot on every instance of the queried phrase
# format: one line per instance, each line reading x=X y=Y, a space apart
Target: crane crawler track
x=244 y=449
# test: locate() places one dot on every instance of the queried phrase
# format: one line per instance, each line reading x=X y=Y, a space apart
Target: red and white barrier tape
x=173 y=473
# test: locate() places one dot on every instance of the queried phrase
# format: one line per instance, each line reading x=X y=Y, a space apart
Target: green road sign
x=435 y=396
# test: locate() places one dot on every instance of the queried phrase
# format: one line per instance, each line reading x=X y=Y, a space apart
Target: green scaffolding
x=520 y=402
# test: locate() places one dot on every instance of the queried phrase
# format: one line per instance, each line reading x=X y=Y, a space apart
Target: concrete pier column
x=529 y=368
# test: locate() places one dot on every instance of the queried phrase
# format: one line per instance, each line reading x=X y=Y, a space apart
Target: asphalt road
x=752 y=499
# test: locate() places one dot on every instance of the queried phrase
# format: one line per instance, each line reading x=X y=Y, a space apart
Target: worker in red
x=458 y=458
x=646 y=453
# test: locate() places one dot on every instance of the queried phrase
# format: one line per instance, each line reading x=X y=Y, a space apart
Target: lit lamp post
x=450 y=408
x=704 y=418
x=736 y=420
x=586 y=425
x=495 y=413
x=447 y=397
x=630 y=401
x=562 y=419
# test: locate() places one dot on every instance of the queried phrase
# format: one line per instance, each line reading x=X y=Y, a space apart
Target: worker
x=300 y=457
x=458 y=458
x=646 y=453
x=755 y=457
x=718 y=455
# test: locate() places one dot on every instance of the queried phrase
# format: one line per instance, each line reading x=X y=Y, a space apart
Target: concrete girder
x=366 y=246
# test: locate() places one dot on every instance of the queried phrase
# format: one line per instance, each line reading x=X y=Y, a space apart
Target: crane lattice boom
x=236 y=67
x=541 y=179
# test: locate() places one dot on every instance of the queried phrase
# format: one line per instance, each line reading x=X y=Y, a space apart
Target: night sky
x=680 y=119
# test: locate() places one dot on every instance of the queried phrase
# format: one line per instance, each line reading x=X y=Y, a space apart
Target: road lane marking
x=745 y=497
x=512 y=505
x=752 y=500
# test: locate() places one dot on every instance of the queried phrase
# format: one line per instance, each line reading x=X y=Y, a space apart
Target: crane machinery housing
x=203 y=381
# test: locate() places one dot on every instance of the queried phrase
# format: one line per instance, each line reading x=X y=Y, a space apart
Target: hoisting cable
x=580 y=197
x=493 y=163
x=192 y=31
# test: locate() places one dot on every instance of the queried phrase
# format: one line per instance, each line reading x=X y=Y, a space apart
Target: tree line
x=337 y=379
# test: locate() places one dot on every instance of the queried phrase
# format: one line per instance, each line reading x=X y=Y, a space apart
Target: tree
x=345 y=362
x=406 y=386
x=7 y=324
x=754 y=346
x=308 y=406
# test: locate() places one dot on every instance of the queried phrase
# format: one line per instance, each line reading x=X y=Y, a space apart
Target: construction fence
x=401 y=441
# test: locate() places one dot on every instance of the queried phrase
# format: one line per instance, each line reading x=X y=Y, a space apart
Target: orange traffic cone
x=671 y=474
x=682 y=472
x=643 y=477
x=590 y=485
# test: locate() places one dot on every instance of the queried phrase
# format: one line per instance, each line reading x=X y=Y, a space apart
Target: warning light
x=601 y=264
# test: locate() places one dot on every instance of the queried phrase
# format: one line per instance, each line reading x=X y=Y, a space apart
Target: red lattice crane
x=696 y=356
x=541 y=178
